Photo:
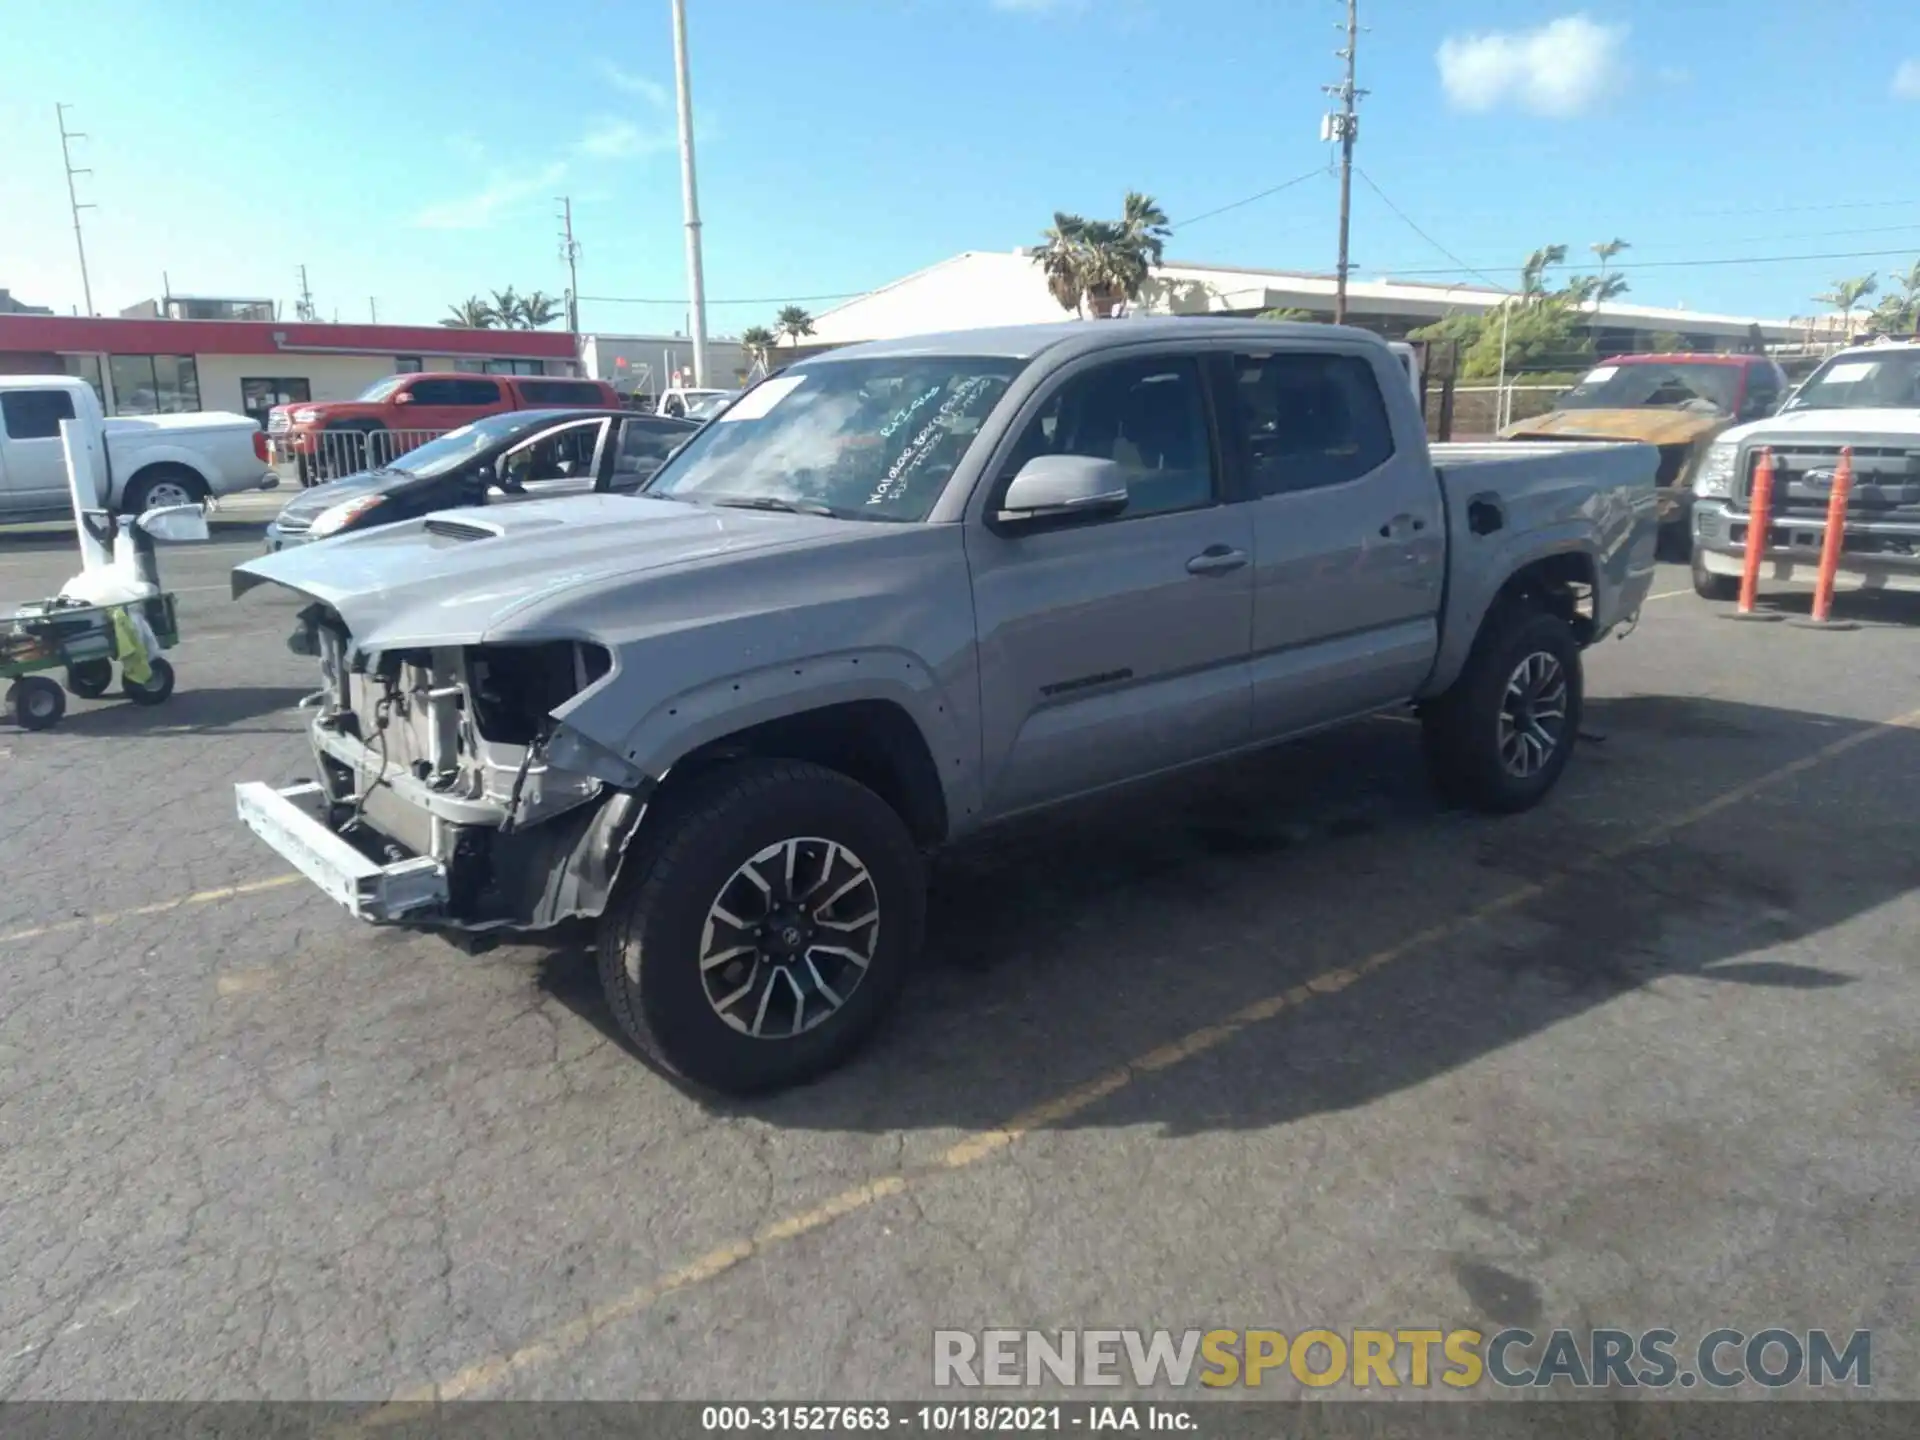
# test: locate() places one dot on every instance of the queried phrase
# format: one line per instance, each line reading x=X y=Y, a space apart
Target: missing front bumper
x=405 y=890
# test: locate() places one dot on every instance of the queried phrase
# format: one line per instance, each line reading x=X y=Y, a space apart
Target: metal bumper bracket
x=370 y=890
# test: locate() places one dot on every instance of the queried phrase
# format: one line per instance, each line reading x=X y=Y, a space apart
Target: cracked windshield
x=1634 y=387
x=858 y=439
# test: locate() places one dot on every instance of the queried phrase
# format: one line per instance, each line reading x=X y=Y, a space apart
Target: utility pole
x=570 y=252
x=67 y=137
x=696 y=284
x=1344 y=125
x=304 y=310
x=373 y=310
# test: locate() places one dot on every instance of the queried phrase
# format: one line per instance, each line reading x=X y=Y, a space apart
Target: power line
x=66 y=154
x=1407 y=220
x=758 y=300
x=1344 y=127
x=1701 y=263
x=570 y=252
x=1275 y=190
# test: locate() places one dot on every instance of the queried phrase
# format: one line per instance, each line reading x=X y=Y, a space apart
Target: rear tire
x=164 y=485
x=90 y=679
x=37 y=702
x=158 y=687
x=1708 y=586
x=1499 y=738
x=690 y=987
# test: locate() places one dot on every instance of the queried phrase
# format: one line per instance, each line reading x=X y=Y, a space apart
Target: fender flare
x=679 y=724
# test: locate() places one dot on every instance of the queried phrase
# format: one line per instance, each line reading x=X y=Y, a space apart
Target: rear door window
x=1305 y=421
x=560 y=392
x=475 y=392
x=35 y=414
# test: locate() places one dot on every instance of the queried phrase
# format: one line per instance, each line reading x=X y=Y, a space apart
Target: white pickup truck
x=151 y=459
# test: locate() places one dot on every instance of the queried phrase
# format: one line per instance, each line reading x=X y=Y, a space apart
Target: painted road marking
x=484 y=1373
x=110 y=917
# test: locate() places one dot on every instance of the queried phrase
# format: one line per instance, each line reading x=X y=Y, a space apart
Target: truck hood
x=1850 y=424
x=167 y=426
x=454 y=577
x=1655 y=426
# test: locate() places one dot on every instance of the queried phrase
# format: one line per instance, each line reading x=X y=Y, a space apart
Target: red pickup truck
x=337 y=437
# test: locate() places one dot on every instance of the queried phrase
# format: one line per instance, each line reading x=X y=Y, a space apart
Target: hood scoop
x=461 y=530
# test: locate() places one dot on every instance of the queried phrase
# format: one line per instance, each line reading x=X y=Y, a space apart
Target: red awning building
x=145 y=367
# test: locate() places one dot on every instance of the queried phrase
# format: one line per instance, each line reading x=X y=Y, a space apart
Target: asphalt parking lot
x=1283 y=1045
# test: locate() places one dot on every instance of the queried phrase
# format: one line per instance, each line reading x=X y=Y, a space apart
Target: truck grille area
x=1886 y=480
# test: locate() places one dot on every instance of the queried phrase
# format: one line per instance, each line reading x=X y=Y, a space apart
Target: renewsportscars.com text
x=1403 y=1358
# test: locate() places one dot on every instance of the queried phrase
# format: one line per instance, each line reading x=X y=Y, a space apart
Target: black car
x=521 y=455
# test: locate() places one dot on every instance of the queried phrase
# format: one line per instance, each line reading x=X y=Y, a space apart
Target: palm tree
x=1099 y=264
x=1606 y=250
x=537 y=310
x=1143 y=226
x=472 y=313
x=1899 y=312
x=1597 y=289
x=506 y=308
x=1533 y=273
x=1847 y=294
x=793 y=322
x=757 y=340
x=1062 y=259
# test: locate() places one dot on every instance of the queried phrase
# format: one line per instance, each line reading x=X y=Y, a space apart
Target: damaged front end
x=450 y=792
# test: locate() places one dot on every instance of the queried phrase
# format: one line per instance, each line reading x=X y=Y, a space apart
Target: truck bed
x=1511 y=500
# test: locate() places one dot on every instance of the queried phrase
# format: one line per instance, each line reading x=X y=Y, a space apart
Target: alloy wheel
x=1533 y=715
x=789 y=938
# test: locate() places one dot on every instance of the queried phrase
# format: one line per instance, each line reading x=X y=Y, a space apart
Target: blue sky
x=410 y=153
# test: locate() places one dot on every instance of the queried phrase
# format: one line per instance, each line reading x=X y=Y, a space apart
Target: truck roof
x=1023 y=342
x=1687 y=357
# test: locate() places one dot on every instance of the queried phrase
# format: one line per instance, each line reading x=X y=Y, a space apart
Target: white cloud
x=1037 y=7
x=502 y=193
x=652 y=91
x=612 y=138
x=1906 y=80
x=1559 y=69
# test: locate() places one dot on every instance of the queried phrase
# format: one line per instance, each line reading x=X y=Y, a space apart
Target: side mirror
x=405 y=397
x=1052 y=487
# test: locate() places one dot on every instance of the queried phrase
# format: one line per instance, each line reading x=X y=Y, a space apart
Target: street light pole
x=696 y=283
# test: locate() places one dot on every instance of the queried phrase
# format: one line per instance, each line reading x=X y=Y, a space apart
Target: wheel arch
x=166 y=467
x=872 y=740
x=1561 y=577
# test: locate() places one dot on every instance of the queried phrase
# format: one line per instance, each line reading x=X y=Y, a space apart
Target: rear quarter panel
x=1594 y=500
x=220 y=454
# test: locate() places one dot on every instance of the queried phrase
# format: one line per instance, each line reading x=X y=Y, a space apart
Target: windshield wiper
x=777 y=502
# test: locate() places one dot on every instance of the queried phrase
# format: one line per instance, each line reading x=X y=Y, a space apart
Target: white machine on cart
x=113 y=609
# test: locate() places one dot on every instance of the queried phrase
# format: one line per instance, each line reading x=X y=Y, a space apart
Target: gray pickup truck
x=902 y=591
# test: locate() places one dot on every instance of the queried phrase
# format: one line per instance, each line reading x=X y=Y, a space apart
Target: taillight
x=260 y=446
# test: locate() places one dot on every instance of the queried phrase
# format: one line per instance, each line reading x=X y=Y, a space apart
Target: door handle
x=1401 y=525
x=1216 y=560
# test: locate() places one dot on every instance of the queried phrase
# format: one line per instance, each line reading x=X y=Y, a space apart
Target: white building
x=646 y=364
x=986 y=287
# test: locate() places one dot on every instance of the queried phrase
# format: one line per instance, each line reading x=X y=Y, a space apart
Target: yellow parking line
x=484 y=1373
x=161 y=907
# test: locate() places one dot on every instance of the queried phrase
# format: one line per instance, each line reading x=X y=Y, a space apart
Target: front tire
x=1498 y=740
x=764 y=928
x=1709 y=586
x=37 y=702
